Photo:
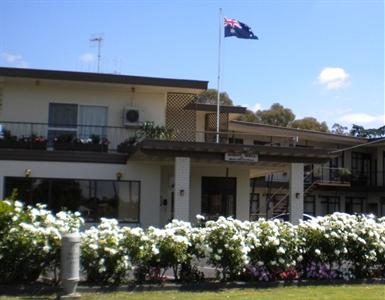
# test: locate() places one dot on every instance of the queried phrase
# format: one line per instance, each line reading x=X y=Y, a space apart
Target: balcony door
x=218 y=197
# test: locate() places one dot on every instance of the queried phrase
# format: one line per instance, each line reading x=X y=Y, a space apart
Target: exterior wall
x=243 y=189
x=147 y=174
x=26 y=93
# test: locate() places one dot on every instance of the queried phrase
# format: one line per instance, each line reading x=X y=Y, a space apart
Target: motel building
x=75 y=141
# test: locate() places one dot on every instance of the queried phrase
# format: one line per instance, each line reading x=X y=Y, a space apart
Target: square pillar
x=296 y=173
x=182 y=189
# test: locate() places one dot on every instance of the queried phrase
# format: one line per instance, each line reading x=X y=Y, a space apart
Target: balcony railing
x=344 y=175
x=75 y=137
x=24 y=135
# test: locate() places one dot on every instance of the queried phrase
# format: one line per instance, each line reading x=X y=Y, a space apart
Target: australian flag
x=238 y=29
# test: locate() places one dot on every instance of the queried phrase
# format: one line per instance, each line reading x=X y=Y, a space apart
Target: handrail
x=279 y=202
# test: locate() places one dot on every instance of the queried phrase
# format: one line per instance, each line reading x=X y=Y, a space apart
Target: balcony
x=342 y=177
x=69 y=142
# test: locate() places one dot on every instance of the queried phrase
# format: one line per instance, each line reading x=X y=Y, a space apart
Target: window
x=309 y=205
x=254 y=207
x=80 y=121
x=93 y=198
x=235 y=141
x=361 y=168
x=354 y=205
x=329 y=204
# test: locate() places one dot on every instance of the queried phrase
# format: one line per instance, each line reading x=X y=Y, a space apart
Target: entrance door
x=218 y=197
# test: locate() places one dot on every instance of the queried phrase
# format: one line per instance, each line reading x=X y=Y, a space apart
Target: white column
x=182 y=189
x=296 y=192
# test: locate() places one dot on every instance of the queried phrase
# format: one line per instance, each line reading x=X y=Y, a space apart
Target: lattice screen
x=211 y=125
x=181 y=120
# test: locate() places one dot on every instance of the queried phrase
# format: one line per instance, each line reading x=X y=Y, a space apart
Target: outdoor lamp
x=27 y=172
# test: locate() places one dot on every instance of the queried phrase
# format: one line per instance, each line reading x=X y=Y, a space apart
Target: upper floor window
x=79 y=121
x=235 y=141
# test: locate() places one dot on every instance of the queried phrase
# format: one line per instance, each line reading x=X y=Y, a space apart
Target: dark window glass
x=309 y=205
x=93 y=198
x=63 y=115
x=235 y=141
x=218 y=197
x=354 y=205
x=329 y=204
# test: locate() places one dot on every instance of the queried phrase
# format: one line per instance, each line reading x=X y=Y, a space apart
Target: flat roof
x=213 y=107
x=216 y=152
x=102 y=77
x=331 y=137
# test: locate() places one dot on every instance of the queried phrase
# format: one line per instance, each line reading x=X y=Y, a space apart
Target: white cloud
x=333 y=78
x=87 y=57
x=363 y=119
x=15 y=60
x=253 y=107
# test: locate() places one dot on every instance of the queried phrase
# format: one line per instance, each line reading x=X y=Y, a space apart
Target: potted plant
x=7 y=140
x=345 y=174
x=94 y=143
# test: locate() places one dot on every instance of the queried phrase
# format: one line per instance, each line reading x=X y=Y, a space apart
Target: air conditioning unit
x=131 y=116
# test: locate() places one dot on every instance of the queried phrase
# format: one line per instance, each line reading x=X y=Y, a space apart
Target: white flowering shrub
x=225 y=246
x=103 y=257
x=30 y=239
x=273 y=250
x=342 y=245
x=335 y=246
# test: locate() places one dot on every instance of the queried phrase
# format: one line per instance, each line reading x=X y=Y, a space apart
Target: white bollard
x=69 y=265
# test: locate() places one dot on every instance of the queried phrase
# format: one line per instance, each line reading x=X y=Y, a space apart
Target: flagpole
x=219 y=70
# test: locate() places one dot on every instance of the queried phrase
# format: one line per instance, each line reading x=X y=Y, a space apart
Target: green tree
x=360 y=131
x=248 y=116
x=277 y=115
x=210 y=97
x=310 y=123
x=339 y=129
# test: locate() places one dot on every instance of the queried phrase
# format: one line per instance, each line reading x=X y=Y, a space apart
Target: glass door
x=218 y=197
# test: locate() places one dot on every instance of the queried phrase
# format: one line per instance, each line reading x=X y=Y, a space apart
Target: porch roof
x=164 y=149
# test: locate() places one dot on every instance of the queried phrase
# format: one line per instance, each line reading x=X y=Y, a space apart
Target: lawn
x=359 y=292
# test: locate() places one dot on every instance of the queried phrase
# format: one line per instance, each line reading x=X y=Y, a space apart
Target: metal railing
x=25 y=135
x=28 y=135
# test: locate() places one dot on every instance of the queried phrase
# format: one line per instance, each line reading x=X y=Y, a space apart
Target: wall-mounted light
x=297 y=195
x=119 y=175
x=27 y=172
x=181 y=193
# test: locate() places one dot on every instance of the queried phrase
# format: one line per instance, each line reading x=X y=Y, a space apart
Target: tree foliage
x=339 y=129
x=310 y=123
x=276 y=115
x=360 y=131
x=210 y=97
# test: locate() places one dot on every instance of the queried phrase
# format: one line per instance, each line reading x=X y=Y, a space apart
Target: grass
x=341 y=292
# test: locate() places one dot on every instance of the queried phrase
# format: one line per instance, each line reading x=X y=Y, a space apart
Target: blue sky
x=320 y=58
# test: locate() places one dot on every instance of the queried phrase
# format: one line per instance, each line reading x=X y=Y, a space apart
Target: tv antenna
x=98 y=40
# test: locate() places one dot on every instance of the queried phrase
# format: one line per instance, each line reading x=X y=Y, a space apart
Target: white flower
x=300 y=258
x=281 y=250
x=317 y=251
x=200 y=217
